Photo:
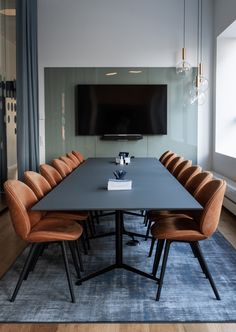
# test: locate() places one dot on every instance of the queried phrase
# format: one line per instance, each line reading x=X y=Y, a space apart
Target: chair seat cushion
x=155 y=215
x=181 y=229
x=52 y=229
x=77 y=216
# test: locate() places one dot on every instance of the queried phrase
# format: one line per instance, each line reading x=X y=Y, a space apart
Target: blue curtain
x=27 y=86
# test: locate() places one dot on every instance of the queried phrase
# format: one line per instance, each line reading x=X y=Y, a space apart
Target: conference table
x=153 y=187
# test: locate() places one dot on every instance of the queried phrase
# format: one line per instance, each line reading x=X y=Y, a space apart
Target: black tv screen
x=121 y=109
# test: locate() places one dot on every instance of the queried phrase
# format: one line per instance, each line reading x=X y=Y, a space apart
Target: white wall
x=124 y=33
x=225 y=14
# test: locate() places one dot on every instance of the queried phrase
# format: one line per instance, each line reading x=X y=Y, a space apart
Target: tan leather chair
x=166 y=160
x=188 y=174
x=50 y=174
x=182 y=167
x=200 y=228
x=174 y=163
x=69 y=162
x=41 y=187
x=73 y=158
x=79 y=155
x=193 y=186
x=37 y=228
x=164 y=155
x=61 y=167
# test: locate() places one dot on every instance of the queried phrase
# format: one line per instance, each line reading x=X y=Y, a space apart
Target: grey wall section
x=60 y=113
x=225 y=15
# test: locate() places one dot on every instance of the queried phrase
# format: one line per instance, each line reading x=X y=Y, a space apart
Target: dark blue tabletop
x=153 y=187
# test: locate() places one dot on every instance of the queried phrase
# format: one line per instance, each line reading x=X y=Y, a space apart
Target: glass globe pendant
x=196 y=94
x=183 y=67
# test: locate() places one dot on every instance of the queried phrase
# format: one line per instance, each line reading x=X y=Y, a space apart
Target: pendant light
x=200 y=84
x=183 y=67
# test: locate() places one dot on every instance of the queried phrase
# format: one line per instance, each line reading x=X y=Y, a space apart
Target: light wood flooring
x=11 y=246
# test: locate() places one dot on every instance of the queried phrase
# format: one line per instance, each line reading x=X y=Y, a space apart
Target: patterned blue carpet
x=119 y=295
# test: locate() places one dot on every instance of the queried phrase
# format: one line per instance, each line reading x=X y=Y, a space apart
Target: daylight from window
x=226 y=93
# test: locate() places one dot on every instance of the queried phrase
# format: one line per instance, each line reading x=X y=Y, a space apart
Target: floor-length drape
x=27 y=86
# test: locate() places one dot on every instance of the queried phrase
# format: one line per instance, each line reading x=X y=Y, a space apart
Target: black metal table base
x=119 y=255
x=116 y=266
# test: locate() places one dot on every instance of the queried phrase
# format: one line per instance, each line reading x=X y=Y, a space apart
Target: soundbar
x=121 y=137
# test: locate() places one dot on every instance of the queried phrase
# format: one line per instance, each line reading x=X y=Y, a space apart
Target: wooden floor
x=11 y=246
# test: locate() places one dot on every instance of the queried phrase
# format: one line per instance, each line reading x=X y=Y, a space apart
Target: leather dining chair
x=79 y=155
x=74 y=158
x=204 y=224
x=166 y=160
x=50 y=174
x=41 y=187
x=188 y=174
x=61 y=167
x=69 y=162
x=182 y=167
x=164 y=155
x=174 y=163
x=194 y=185
x=38 y=229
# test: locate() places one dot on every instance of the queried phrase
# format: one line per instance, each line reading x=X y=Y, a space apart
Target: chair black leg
x=79 y=256
x=163 y=268
x=198 y=258
x=75 y=258
x=208 y=274
x=24 y=270
x=151 y=247
x=38 y=252
x=159 y=249
x=86 y=236
x=148 y=229
x=64 y=254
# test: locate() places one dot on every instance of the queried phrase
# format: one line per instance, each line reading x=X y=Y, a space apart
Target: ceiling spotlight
x=111 y=74
x=135 y=71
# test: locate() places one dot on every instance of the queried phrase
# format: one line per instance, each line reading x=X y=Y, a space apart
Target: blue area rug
x=122 y=296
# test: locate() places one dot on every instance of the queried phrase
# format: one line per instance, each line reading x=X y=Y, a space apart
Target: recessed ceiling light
x=135 y=71
x=111 y=74
x=8 y=11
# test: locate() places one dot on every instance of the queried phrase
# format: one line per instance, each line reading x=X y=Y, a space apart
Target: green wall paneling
x=60 y=113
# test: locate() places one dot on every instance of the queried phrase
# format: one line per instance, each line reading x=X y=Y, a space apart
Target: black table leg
x=119 y=255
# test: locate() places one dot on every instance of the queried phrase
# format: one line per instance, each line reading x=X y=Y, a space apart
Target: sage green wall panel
x=60 y=113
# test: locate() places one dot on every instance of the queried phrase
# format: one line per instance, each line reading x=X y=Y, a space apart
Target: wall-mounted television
x=121 y=109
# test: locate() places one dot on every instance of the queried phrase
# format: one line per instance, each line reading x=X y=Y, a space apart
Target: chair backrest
x=73 y=158
x=69 y=162
x=20 y=198
x=181 y=167
x=37 y=183
x=164 y=155
x=197 y=182
x=61 y=167
x=211 y=198
x=78 y=155
x=186 y=176
x=50 y=174
x=168 y=159
x=174 y=163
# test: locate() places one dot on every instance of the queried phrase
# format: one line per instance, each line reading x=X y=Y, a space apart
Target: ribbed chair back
x=174 y=163
x=69 y=162
x=50 y=174
x=182 y=167
x=78 y=155
x=73 y=158
x=197 y=182
x=37 y=183
x=186 y=176
x=61 y=167
x=164 y=155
